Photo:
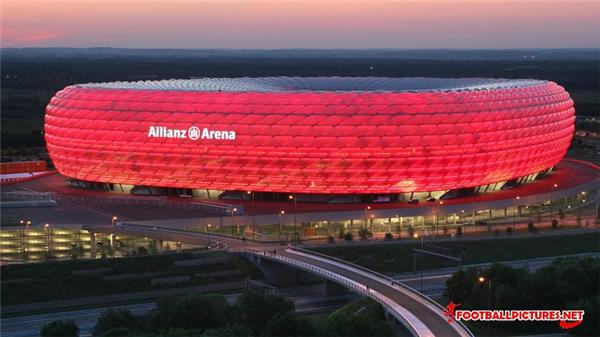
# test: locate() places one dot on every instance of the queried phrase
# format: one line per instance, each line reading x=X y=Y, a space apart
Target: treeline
x=28 y=82
x=567 y=283
x=209 y=315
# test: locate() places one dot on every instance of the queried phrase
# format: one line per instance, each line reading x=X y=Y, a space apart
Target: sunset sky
x=301 y=24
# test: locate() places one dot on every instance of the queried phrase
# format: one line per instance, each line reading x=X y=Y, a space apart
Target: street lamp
x=416 y=236
x=515 y=211
x=281 y=213
x=482 y=280
x=233 y=210
x=368 y=208
x=253 y=211
x=291 y=197
x=114 y=221
x=551 y=209
x=47 y=228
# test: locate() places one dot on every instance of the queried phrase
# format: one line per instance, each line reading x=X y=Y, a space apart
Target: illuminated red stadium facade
x=309 y=135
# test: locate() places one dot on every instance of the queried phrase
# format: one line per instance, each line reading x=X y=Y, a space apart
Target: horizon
x=331 y=24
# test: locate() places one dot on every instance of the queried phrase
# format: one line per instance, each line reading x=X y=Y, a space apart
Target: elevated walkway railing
x=214 y=243
x=435 y=306
x=410 y=321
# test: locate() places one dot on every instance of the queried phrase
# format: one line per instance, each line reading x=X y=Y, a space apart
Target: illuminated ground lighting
x=309 y=135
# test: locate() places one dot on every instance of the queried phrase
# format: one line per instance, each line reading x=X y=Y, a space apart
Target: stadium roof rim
x=322 y=84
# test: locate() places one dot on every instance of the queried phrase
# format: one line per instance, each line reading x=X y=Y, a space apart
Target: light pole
x=233 y=210
x=551 y=209
x=253 y=208
x=437 y=218
x=281 y=213
x=47 y=228
x=291 y=197
x=114 y=221
x=514 y=211
x=482 y=280
x=368 y=208
x=416 y=236
x=579 y=209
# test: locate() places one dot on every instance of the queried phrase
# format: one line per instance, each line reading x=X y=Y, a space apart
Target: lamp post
x=233 y=210
x=437 y=218
x=47 y=228
x=514 y=211
x=551 y=209
x=114 y=221
x=416 y=236
x=253 y=209
x=291 y=197
x=482 y=280
x=281 y=213
x=367 y=209
x=579 y=209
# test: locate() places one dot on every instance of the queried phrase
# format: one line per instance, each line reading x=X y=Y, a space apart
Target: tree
x=348 y=236
x=364 y=233
x=341 y=233
x=411 y=231
x=561 y=214
x=196 y=311
x=229 y=330
x=66 y=328
x=362 y=318
x=255 y=310
x=115 y=318
x=289 y=324
x=590 y=326
x=460 y=285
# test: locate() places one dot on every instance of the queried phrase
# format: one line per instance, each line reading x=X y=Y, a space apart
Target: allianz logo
x=192 y=133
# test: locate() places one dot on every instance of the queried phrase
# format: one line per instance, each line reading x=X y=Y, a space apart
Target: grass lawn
x=396 y=258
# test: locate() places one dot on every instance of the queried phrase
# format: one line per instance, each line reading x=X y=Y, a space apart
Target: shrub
x=256 y=310
x=66 y=328
x=114 y=318
x=411 y=231
x=348 y=236
x=330 y=239
x=388 y=236
x=509 y=230
x=341 y=233
x=364 y=233
x=554 y=223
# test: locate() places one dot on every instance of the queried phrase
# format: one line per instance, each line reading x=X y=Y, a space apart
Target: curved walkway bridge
x=422 y=316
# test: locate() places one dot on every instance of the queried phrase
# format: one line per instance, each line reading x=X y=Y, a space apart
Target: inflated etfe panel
x=311 y=135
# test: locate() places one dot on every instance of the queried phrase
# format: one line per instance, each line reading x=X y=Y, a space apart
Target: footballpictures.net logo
x=567 y=319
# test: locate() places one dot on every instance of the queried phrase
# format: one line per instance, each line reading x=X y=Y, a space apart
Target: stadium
x=391 y=138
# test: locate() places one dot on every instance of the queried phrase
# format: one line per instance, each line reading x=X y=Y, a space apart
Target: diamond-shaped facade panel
x=309 y=135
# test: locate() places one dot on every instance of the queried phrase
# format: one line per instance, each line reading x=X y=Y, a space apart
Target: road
x=308 y=300
x=427 y=315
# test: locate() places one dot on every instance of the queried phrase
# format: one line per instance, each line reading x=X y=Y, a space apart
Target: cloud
x=26 y=36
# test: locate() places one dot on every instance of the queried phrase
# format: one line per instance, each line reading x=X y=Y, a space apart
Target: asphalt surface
x=308 y=300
